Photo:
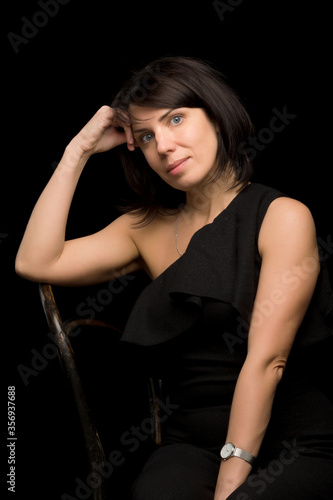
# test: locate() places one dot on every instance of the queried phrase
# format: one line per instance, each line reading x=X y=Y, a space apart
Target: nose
x=164 y=142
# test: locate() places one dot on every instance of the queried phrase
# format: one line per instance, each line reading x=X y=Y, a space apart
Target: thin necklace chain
x=177 y=246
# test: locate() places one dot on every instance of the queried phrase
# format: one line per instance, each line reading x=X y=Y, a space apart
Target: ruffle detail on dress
x=172 y=303
x=221 y=263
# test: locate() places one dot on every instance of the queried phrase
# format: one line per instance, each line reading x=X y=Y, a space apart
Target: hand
x=223 y=494
x=102 y=133
x=223 y=491
x=232 y=474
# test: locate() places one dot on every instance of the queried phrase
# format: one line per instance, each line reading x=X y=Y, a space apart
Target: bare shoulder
x=132 y=222
x=287 y=212
x=154 y=242
x=287 y=221
x=145 y=235
x=126 y=220
x=129 y=224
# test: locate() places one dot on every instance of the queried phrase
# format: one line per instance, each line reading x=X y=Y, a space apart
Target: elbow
x=19 y=267
x=20 y=264
x=24 y=270
x=21 y=270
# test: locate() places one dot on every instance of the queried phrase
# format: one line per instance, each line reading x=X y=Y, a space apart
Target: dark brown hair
x=174 y=82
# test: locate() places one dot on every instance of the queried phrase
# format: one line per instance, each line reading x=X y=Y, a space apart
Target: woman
x=237 y=294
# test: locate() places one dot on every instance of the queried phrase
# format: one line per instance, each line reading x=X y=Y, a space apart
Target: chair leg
x=154 y=391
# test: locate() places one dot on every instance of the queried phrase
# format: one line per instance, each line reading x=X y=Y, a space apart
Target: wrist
x=71 y=165
x=74 y=158
x=76 y=153
x=230 y=450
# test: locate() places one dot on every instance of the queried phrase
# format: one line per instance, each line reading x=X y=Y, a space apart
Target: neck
x=209 y=200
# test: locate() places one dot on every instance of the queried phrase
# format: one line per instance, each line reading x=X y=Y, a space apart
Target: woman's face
x=180 y=145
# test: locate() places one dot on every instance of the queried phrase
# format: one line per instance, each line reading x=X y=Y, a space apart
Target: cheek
x=206 y=145
x=152 y=159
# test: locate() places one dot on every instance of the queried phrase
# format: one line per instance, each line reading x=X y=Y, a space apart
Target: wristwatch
x=230 y=450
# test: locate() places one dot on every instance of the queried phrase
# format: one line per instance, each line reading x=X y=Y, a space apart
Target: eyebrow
x=160 y=120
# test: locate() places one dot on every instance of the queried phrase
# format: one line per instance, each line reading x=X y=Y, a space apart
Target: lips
x=175 y=164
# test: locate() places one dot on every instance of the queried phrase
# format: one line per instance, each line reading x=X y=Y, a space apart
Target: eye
x=146 y=138
x=175 y=120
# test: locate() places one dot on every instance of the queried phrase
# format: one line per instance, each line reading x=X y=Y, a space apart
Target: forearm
x=249 y=418
x=252 y=405
x=44 y=237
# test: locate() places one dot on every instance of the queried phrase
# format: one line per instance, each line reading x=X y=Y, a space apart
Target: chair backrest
x=61 y=334
x=67 y=358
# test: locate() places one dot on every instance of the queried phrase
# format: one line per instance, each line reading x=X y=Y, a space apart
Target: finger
x=129 y=137
x=121 y=119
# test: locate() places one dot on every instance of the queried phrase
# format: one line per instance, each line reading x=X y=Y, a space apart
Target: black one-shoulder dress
x=189 y=327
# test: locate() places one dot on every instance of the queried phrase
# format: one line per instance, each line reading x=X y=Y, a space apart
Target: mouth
x=175 y=167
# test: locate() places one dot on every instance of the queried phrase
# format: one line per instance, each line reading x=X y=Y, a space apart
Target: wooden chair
x=61 y=334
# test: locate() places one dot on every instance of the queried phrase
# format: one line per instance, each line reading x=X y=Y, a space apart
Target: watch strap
x=238 y=452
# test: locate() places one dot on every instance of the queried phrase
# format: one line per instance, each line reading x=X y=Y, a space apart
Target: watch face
x=227 y=450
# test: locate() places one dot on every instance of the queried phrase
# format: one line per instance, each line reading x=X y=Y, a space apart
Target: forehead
x=141 y=114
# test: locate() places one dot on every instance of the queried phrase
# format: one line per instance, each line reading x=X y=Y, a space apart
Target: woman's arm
x=290 y=266
x=44 y=255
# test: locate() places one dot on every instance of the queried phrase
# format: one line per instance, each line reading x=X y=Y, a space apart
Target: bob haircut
x=175 y=82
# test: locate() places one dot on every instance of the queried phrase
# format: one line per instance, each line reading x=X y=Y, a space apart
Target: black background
x=275 y=54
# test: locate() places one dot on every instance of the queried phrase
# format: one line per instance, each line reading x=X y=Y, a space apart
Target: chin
x=190 y=182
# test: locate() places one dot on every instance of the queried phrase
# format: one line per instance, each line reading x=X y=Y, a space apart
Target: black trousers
x=182 y=471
